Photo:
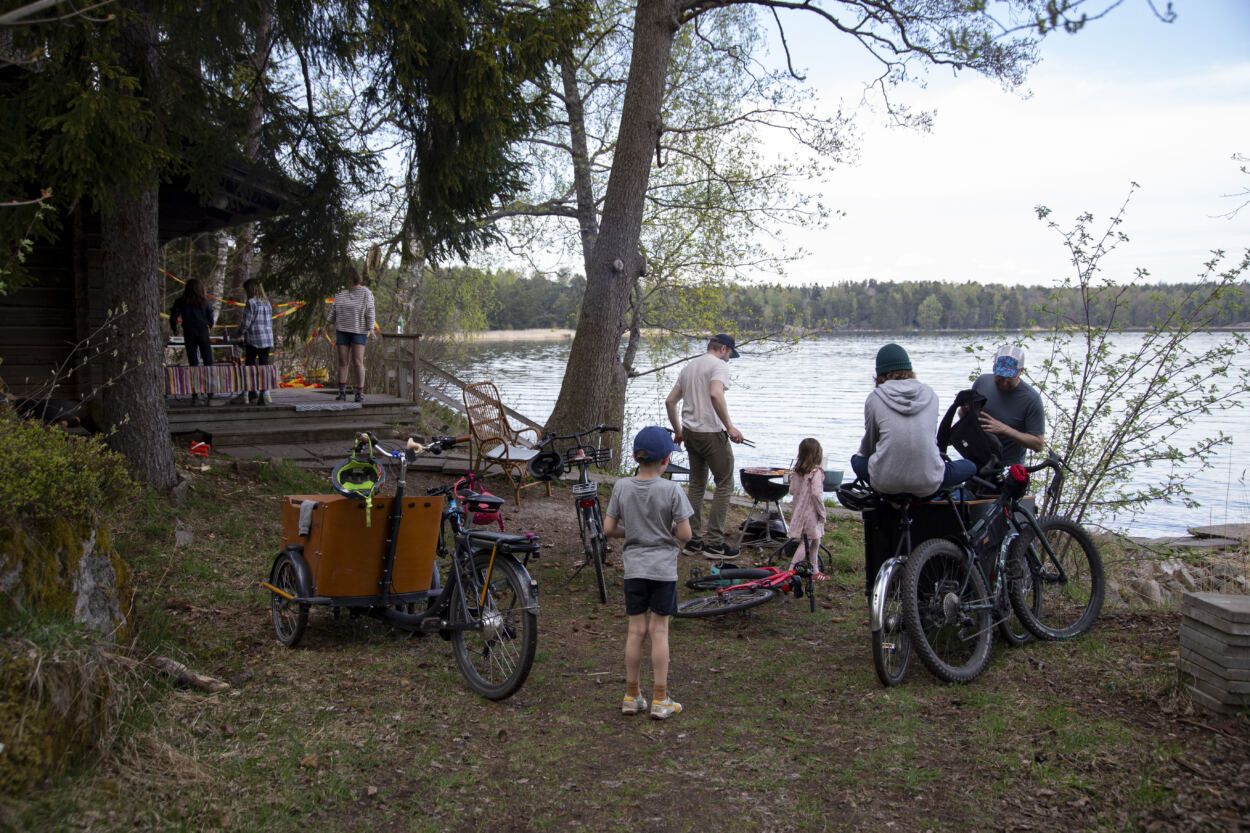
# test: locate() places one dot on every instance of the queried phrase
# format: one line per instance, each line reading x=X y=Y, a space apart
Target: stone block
x=1234 y=608
x=1230 y=668
x=1215 y=690
x=1212 y=704
x=1215 y=680
x=1222 y=611
x=1212 y=639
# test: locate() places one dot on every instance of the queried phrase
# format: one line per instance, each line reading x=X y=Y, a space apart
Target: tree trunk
x=132 y=407
x=593 y=390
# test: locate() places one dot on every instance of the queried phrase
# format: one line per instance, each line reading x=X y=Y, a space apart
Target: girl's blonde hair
x=254 y=290
x=811 y=455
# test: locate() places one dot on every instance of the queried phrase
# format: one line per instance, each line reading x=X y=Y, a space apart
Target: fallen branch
x=180 y=672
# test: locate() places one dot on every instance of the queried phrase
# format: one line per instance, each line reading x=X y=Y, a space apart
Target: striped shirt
x=257 y=326
x=352 y=311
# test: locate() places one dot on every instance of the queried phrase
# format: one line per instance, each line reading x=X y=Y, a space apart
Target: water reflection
x=817 y=389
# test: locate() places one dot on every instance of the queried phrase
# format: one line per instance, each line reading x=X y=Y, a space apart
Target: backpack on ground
x=967 y=436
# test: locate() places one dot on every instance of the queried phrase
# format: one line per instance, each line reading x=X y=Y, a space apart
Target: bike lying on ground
x=550 y=464
x=376 y=557
x=740 y=588
x=1048 y=571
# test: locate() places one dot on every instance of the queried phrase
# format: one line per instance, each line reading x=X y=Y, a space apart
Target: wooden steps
x=296 y=419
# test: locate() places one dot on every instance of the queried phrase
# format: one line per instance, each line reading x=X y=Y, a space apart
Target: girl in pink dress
x=807 y=518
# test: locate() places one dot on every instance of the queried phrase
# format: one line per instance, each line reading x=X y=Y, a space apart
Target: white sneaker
x=664 y=709
x=633 y=705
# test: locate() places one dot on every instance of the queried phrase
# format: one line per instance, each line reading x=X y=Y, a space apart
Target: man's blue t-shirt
x=1020 y=409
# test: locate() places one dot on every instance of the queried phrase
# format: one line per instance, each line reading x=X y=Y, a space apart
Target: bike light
x=586 y=503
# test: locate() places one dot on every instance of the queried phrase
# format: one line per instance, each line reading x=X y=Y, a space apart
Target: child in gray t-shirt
x=653 y=516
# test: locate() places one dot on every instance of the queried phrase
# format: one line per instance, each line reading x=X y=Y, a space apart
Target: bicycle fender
x=302 y=574
x=528 y=584
x=879 y=585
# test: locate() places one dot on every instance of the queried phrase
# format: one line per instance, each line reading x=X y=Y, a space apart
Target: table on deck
x=181 y=380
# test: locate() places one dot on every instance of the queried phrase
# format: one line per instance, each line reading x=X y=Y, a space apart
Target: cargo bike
x=379 y=556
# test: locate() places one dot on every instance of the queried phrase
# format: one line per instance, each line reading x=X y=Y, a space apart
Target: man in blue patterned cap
x=1013 y=408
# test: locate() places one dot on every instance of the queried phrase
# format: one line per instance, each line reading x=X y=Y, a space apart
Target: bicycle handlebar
x=412 y=449
x=550 y=437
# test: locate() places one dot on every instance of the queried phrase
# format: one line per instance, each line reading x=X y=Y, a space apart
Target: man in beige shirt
x=704 y=425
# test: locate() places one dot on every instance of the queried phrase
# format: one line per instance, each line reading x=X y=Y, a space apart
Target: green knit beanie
x=892 y=357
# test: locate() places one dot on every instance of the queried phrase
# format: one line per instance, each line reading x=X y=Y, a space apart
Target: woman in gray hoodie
x=899 y=453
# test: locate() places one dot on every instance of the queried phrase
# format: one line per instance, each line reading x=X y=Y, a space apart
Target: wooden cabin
x=42 y=323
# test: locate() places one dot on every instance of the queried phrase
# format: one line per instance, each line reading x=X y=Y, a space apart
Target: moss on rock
x=69 y=570
x=52 y=704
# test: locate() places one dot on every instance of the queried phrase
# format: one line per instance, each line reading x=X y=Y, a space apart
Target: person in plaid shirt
x=256 y=331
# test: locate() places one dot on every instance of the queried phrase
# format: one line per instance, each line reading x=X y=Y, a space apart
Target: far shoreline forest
x=465 y=298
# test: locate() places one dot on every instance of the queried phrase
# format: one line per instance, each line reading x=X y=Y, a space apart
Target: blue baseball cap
x=653 y=443
x=1008 y=361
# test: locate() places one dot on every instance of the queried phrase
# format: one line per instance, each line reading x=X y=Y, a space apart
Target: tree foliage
x=902 y=35
x=1125 y=457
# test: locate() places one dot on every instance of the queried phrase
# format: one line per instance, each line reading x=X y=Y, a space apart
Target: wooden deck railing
x=400 y=363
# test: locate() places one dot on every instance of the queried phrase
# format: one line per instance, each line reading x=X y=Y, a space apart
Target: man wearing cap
x=1013 y=409
x=704 y=425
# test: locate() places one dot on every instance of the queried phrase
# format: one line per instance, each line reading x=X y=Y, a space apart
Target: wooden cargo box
x=344 y=554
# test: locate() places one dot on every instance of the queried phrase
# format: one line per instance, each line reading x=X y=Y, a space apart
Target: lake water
x=817 y=389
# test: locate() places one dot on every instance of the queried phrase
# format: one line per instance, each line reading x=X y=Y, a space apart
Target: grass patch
x=785 y=726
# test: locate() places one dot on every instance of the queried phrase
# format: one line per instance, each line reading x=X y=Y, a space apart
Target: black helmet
x=546 y=466
x=857 y=496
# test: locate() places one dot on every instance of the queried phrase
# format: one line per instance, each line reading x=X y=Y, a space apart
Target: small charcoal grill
x=764 y=524
x=764 y=484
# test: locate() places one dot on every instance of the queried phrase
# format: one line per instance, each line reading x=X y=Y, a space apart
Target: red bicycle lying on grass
x=740 y=588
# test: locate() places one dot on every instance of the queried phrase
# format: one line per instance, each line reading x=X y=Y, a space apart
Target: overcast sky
x=1128 y=99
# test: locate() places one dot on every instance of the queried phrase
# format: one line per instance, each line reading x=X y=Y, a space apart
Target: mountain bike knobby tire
x=496 y=655
x=951 y=640
x=730 y=601
x=1071 y=601
x=891 y=647
x=727 y=577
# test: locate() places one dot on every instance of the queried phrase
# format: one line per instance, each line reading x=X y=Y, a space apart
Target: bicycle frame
x=586 y=500
x=1013 y=510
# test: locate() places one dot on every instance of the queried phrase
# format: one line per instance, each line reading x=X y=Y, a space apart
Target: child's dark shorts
x=643 y=594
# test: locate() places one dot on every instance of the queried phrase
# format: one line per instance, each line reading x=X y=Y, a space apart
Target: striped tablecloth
x=181 y=380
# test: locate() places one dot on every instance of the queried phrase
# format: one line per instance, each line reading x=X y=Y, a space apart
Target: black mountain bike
x=1047 y=570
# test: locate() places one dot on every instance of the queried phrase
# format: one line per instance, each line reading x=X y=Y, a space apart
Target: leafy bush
x=50 y=474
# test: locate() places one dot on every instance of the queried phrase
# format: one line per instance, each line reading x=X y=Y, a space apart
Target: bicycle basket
x=585 y=490
x=587 y=454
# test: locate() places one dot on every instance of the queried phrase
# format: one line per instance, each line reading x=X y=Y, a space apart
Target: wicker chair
x=496 y=443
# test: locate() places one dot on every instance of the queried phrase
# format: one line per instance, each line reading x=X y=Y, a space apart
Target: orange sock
x=632 y=690
x=660 y=692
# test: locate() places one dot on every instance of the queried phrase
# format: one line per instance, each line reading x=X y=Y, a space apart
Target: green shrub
x=49 y=474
